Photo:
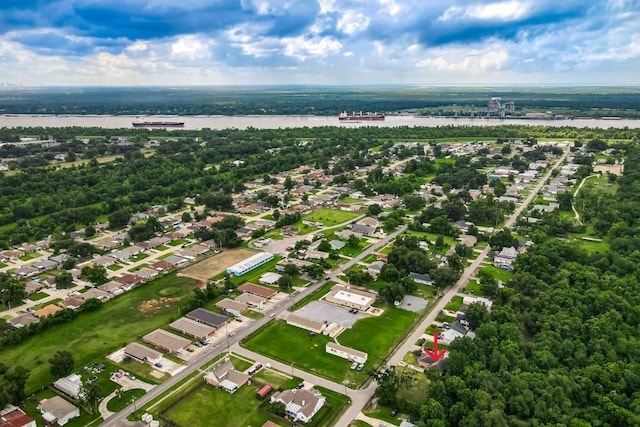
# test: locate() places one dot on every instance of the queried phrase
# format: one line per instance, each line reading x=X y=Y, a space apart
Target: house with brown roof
x=72 y=303
x=300 y=404
x=226 y=377
x=96 y=293
x=162 y=266
x=260 y=291
x=251 y=300
x=33 y=287
x=304 y=323
x=47 y=310
x=232 y=307
x=192 y=328
x=142 y=353
x=166 y=341
x=130 y=280
x=23 y=320
x=12 y=416
x=113 y=287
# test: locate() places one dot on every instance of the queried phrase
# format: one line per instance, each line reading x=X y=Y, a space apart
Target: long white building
x=250 y=263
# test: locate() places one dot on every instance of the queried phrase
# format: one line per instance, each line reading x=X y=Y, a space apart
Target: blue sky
x=348 y=42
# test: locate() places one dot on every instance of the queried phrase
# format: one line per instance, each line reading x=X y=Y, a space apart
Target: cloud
x=252 y=41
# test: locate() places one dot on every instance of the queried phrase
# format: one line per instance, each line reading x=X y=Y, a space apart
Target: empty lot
x=206 y=269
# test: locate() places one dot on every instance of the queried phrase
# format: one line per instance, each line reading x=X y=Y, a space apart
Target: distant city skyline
x=323 y=42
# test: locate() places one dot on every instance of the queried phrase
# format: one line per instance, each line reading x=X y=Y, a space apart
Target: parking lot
x=319 y=311
x=415 y=304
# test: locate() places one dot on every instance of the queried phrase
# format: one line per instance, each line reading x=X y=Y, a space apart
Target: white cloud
x=303 y=48
x=511 y=10
x=352 y=22
x=457 y=59
x=392 y=7
x=327 y=6
x=191 y=47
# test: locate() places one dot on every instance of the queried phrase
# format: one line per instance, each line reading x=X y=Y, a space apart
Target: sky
x=319 y=42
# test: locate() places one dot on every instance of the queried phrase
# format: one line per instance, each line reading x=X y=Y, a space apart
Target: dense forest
x=561 y=345
x=309 y=100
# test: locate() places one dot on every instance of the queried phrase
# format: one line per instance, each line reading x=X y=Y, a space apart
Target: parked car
x=394 y=412
x=198 y=344
x=354 y=365
x=158 y=365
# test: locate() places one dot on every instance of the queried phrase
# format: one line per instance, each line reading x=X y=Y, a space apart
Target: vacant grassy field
x=207 y=404
x=216 y=264
x=93 y=335
x=118 y=403
x=375 y=335
x=497 y=273
x=454 y=304
x=330 y=217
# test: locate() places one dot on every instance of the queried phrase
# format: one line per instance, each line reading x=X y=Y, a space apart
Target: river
x=275 y=122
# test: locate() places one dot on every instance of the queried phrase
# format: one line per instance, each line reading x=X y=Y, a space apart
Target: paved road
x=119 y=419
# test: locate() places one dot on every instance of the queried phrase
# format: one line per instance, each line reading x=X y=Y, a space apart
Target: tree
x=359 y=278
x=374 y=209
x=413 y=203
x=353 y=241
x=11 y=290
x=186 y=217
x=97 y=275
x=89 y=231
x=289 y=183
x=392 y=292
x=315 y=271
x=276 y=214
x=119 y=218
x=64 y=280
x=444 y=277
x=291 y=270
x=91 y=395
x=565 y=200
x=285 y=282
x=325 y=246
x=12 y=382
x=476 y=314
x=390 y=383
x=61 y=364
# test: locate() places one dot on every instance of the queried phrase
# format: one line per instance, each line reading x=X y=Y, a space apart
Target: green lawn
x=375 y=335
x=38 y=296
x=2 y=265
x=497 y=273
x=30 y=256
x=330 y=217
x=178 y=242
x=138 y=257
x=207 y=403
x=473 y=287
x=139 y=267
x=273 y=378
x=600 y=247
x=241 y=364
x=42 y=305
x=118 y=403
x=114 y=267
x=416 y=392
x=161 y=248
x=31 y=408
x=93 y=335
x=454 y=304
x=143 y=371
x=383 y=413
x=351 y=251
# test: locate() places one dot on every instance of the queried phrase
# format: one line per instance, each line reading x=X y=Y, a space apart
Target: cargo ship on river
x=158 y=124
x=360 y=116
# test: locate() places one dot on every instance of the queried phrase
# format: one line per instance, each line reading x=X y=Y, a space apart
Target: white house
x=57 y=410
x=300 y=404
x=348 y=353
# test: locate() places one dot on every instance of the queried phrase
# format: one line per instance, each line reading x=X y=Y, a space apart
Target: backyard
x=95 y=334
x=330 y=217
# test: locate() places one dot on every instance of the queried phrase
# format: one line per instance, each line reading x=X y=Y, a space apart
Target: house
x=369 y=222
x=12 y=416
x=375 y=268
x=166 y=341
x=467 y=240
x=505 y=258
x=60 y=258
x=469 y=299
x=162 y=266
x=315 y=254
x=304 y=323
x=72 y=303
x=113 y=287
x=23 y=320
x=300 y=404
x=47 y=310
x=24 y=272
x=226 y=377
x=348 y=353
x=251 y=300
x=146 y=273
x=192 y=328
x=270 y=278
x=33 y=287
x=142 y=353
x=70 y=385
x=363 y=229
x=232 y=307
x=105 y=261
x=57 y=410
x=260 y=291
x=457 y=329
x=423 y=279
x=130 y=280
x=175 y=260
x=96 y=293
x=280 y=266
x=336 y=245
x=349 y=297
x=207 y=317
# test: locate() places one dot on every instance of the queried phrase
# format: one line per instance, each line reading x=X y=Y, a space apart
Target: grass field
x=497 y=273
x=38 y=296
x=330 y=217
x=216 y=264
x=207 y=403
x=93 y=335
x=30 y=256
x=118 y=403
x=454 y=304
x=375 y=335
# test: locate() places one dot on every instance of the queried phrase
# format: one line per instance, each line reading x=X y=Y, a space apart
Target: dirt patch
x=206 y=269
x=151 y=306
x=612 y=169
